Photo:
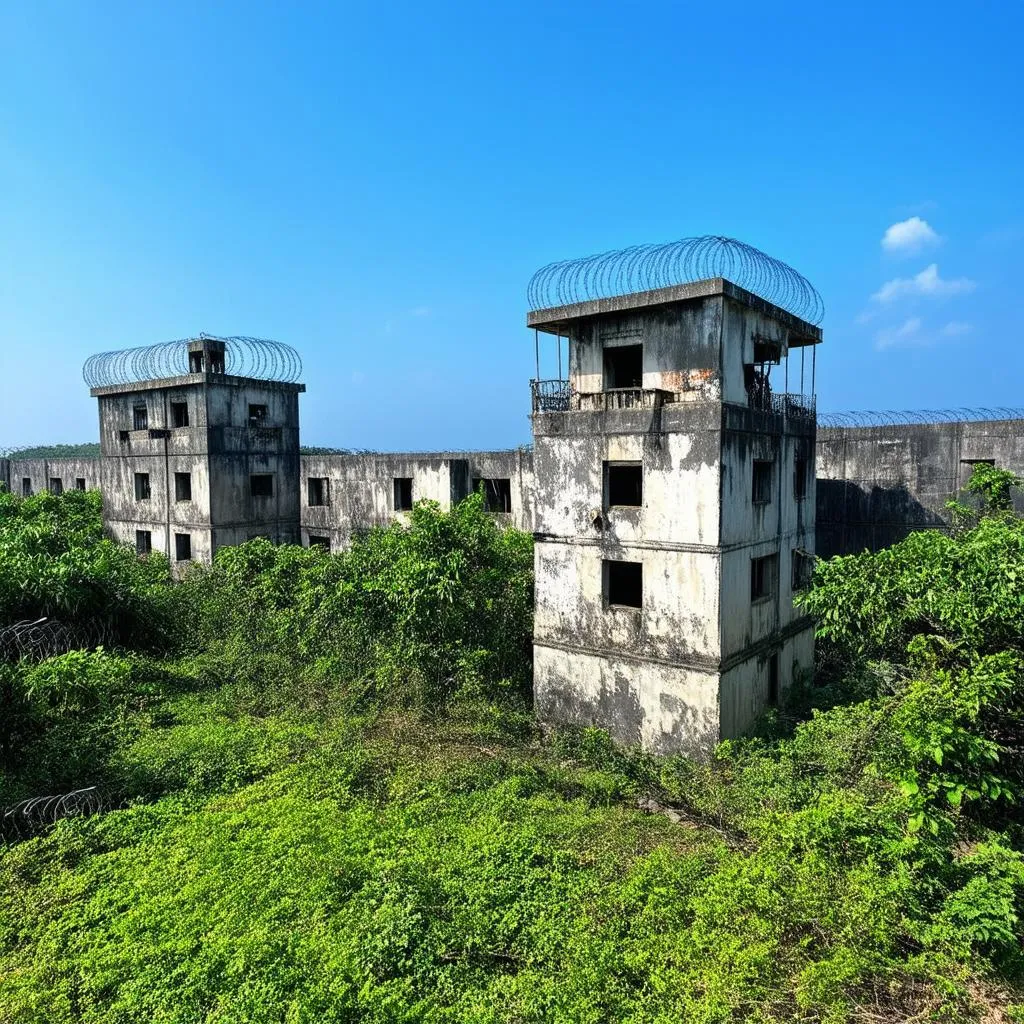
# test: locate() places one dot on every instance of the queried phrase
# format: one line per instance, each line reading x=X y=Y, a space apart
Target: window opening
x=319 y=490
x=261 y=485
x=143 y=542
x=403 y=493
x=122 y=435
x=179 y=414
x=56 y=485
x=142 y=486
x=140 y=417
x=762 y=577
x=320 y=542
x=182 y=486
x=497 y=493
x=762 y=489
x=183 y=547
x=79 y=483
x=623 y=367
x=803 y=568
x=800 y=479
x=26 y=486
x=624 y=483
x=624 y=583
x=257 y=414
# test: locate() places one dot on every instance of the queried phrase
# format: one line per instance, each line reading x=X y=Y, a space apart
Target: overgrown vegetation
x=335 y=807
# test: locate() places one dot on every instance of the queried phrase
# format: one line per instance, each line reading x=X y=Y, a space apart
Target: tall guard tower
x=199 y=443
x=674 y=490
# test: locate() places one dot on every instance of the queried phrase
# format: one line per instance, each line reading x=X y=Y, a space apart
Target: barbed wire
x=31 y=816
x=906 y=417
x=645 y=267
x=244 y=357
x=36 y=639
x=85 y=450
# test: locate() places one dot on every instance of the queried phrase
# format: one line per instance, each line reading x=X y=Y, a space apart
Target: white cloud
x=908 y=333
x=909 y=235
x=926 y=283
x=956 y=329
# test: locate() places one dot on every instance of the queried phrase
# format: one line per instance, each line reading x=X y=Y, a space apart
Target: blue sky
x=375 y=184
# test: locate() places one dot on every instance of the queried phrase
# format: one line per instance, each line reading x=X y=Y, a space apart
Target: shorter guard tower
x=199 y=442
x=674 y=485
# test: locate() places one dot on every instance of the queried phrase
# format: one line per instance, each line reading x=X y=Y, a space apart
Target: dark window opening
x=967 y=468
x=183 y=547
x=261 y=485
x=756 y=380
x=800 y=479
x=319 y=490
x=624 y=483
x=762 y=577
x=26 y=486
x=257 y=414
x=767 y=351
x=79 y=483
x=623 y=367
x=773 y=679
x=122 y=435
x=624 y=583
x=497 y=493
x=762 y=491
x=142 y=486
x=56 y=485
x=179 y=414
x=320 y=542
x=143 y=542
x=140 y=417
x=403 y=493
x=182 y=486
x=195 y=362
x=803 y=566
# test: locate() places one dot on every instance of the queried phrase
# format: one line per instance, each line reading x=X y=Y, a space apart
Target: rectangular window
x=403 y=493
x=624 y=583
x=320 y=542
x=803 y=567
x=261 y=485
x=318 y=491
x=497 y=493
x=56 y=485
x=182 y=486
x=763 y=573
x=140 y=417
x=26 y=486
x=623 y=484
x=762 y=493
x=141 y=486
x=179 y=414
x=79 y=483
x=800 y=479
x=143 y=542
x=623 y=367
x=183 y=547
x=122 y=436
x=257 y=415
x=967 y=468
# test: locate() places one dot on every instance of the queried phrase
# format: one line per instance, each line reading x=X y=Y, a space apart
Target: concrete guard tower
x=674 y=490
x=199 y=443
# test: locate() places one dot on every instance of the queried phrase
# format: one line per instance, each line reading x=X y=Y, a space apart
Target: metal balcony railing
x=551 y=395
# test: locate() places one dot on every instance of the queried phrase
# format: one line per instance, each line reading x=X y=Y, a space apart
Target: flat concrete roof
x=557 y=319
x=194 y=378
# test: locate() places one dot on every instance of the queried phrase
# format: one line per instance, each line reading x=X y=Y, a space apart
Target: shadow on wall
x=852 y=518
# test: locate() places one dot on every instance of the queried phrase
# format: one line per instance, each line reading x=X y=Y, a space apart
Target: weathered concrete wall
x=878 y=484
x=41 y=473
x=361 y=488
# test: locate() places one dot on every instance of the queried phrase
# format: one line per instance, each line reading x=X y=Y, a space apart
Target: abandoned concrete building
x=678 y=485
x=674 y=494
